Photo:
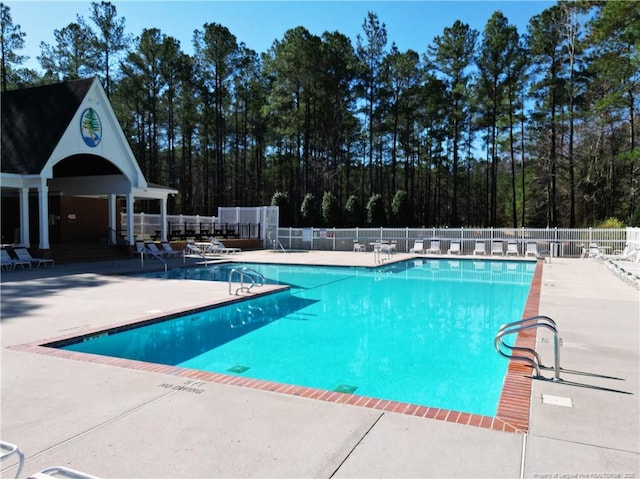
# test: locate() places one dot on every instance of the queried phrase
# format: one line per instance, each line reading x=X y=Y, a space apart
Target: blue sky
x=410 y=24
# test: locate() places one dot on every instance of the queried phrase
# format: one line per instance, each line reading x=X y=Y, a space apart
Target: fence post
x=406 y=240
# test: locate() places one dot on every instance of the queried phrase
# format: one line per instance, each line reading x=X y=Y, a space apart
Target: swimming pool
x=419 y=331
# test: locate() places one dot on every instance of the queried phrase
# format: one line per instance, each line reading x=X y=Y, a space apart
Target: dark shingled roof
x=33 y=122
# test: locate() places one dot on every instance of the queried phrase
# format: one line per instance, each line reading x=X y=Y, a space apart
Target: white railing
x=147 y=225
x=231 y=222
x=566 y=242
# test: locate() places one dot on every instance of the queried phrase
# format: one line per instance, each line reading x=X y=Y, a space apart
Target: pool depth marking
x=513 y=407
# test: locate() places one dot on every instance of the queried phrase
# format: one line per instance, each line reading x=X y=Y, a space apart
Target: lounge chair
x=153 y=248
x=219 y=246
x=497 y=247
x=512 y=248
x=192 y=249
x=532 y=249
x=418 y=247
x=23 y=254
x=10 y=262
x=454 y=247
x=434 y=247
x=6 y=262
x=7 y=450
x=56 y=472
x=168 y=249
x=61 y=472
x=479 y=248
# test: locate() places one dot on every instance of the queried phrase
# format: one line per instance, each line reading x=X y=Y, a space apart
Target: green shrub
x=610 y=223
x=375 y=211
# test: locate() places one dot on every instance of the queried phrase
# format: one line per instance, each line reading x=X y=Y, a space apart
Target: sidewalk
x=124 y=423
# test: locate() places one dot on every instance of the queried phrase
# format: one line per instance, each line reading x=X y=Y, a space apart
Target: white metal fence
x=551 y=241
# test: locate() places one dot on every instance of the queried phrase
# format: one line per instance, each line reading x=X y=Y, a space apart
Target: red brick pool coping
x=513 y=407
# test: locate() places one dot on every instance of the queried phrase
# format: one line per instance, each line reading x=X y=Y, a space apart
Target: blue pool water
x=419 y=331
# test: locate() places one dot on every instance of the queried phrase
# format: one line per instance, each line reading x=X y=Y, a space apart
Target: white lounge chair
x=512 y=248
x=57 y=472
x=61 y=472
x=497 y=247
x=192 y=249
x=10 y=263
x=454 y=247
x=532 y=249
x=418 y=247
x=7 y=450
x=217 y=245
x=23 y=254
x=479 y=248
x=434 y=247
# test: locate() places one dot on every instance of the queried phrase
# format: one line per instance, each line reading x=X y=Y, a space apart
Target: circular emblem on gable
x=91 y=127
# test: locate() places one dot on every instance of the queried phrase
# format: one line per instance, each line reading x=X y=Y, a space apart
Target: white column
x=43 y=203
x=112 y=218
x=163 y=219
x=130 y=201
x=24 y=217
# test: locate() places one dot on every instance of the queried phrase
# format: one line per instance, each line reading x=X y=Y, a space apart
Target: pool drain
x=345 y=388
x=238 y=369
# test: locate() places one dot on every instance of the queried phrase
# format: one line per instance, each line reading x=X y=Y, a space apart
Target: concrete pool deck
x=128 y=423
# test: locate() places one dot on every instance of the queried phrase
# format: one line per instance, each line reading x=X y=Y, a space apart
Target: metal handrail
x=243 y=273
x=145 y=251
x=535 y=361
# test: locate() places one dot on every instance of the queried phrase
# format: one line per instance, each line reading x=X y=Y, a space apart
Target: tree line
x=491 y=128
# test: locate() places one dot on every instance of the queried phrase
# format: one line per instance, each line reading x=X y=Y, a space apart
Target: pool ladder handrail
x=534 y=359
x=147 y=251
x=246 y=273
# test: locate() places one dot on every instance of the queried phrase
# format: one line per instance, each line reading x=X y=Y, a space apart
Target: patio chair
x=140 y=248
x=7 y=450
x=217 y=245
x=497 y=247
x=434 y=247
x=7 y=260
x=479 y=248
x=359 y=247
x=454 y=247
x=153 y=248
x=512 y=248
x=192 y=249
x=532 y=249
x=168 y=249
x=593 y=251
x=23 y=254
x=418 y=247
x=60 y=472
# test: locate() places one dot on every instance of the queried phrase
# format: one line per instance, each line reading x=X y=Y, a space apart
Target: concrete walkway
x=124 y=423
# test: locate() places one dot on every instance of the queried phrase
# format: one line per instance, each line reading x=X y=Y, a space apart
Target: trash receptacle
x=555 y=250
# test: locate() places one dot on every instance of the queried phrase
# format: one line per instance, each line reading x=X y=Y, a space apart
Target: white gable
x=111 y=143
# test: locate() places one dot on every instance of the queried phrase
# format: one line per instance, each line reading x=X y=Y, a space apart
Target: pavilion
x=67 y=170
